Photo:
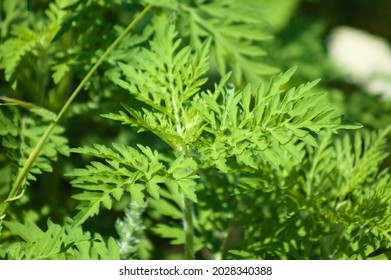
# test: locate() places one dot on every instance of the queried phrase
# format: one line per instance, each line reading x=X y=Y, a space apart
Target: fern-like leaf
x=262 y=129
x=360 y=160
x=237 y=31
x=13 y=50
x=126 y=170
x=165 y=78
x=57 y=242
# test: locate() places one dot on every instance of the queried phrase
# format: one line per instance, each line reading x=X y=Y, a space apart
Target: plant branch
x=188 y=227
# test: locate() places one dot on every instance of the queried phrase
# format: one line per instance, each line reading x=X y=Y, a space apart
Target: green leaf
x=57 y=242
x=264 y=128
x=166 y=208
x=29 y=232
x=166 y=78
x=14 y=49
x=174 y=233
x=234 y=36
x=126 y=170
x=153 y=187
x=136 y=191
x=183 y=168
x=188 y=189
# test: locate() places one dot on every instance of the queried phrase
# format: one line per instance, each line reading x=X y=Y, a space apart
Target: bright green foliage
x=206 y=150
x=166 y=81
x=272 y=123
x=127 y=170
x=236 y=30
x=57 y=243
x=261 y=130
x=327 y=210
x=359 y=161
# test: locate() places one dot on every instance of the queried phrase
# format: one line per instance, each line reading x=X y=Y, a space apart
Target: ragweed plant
x=210 y=152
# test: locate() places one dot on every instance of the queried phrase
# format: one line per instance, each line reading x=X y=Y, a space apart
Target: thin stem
x=188 y=227
x=37 y=149
x=187 y=207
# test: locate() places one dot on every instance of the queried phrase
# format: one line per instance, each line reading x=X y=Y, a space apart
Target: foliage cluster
x=196 y=131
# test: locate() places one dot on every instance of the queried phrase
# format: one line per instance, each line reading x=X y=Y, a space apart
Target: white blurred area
x=364 y=58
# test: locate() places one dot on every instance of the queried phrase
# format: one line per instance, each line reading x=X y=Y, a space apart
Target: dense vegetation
x=185 y=129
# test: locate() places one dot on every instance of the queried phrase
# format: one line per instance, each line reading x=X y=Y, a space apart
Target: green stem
x=16 y=187
x=188 y=227
x=187 y=210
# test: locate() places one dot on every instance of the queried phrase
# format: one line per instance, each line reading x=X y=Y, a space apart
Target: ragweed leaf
x=237 y=31
x=165 y=78
x=262 y=129
x=126 y=170
x=14 y=49
x=57 y=242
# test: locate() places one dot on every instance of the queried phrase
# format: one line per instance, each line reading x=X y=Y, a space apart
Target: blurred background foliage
x=47 y=75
